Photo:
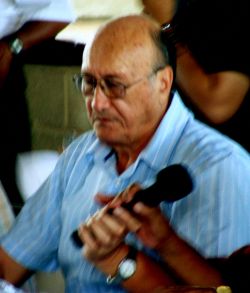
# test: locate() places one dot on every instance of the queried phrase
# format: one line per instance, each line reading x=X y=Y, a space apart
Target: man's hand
x=150 y=225
x=101 y=234
x=154 y=229
x=104 y=232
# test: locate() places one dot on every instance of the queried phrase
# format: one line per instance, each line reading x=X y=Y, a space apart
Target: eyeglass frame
x=102 y=82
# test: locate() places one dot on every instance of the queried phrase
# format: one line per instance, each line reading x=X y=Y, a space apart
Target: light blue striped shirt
x=214 y=218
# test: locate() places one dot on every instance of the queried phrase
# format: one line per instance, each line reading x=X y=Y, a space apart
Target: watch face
x=127 y=268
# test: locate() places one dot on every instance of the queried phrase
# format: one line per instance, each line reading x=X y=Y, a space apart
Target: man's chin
x=106 y=137
x=103 y=133
x=107 y=133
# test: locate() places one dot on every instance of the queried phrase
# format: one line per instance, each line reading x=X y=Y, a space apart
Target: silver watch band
x=16 y=46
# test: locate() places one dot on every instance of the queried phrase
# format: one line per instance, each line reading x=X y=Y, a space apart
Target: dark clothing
x=15 y=130
x=14 y=114
x=216 y=32
x=235 y=269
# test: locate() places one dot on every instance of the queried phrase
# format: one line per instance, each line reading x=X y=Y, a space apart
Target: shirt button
x=118 y=182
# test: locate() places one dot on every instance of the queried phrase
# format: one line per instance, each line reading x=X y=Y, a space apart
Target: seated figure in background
x=213 y=63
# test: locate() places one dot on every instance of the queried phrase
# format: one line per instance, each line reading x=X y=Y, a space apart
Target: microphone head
x=172 y=183
x=176 y=180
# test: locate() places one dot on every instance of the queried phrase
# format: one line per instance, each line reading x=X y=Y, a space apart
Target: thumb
x=103 y=199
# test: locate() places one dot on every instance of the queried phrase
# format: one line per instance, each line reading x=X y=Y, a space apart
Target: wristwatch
x=126 y=268
x=16 y=46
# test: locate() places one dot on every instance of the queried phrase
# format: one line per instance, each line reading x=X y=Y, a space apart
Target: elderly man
x=139 y=128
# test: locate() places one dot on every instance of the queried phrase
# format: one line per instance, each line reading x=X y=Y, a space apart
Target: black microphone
x=172 y=183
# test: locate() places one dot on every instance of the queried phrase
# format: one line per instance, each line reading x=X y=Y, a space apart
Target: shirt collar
x=167 y=135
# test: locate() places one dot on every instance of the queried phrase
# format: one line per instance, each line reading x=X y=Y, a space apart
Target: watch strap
x=118 y=277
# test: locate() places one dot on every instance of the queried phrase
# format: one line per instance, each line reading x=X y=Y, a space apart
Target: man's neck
x=126 y=157
x=127 y=154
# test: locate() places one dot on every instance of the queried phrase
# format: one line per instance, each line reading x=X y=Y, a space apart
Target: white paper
x=106 y=8
x=33 y=168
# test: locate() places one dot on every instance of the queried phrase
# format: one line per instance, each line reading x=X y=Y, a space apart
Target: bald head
x=126 y=82
x=131 y=41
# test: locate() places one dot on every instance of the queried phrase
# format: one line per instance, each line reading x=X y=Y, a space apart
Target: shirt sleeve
x=34 y=239
x=57 y=10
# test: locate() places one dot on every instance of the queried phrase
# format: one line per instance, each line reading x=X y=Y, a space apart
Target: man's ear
x=166 y=76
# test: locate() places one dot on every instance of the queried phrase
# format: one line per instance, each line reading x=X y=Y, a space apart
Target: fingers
x=152 y=216
x=101 y=234
x=103 y=199
x=125 y=196
x=156 y=230
x=105 y=230
x=129 y=192
x=133 y=224
x=142 y=209
x=145 y=211
x=115 y=201
x=107 y=227
x=87 y=236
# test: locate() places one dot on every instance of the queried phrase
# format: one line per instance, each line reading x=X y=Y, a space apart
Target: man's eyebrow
x=112 y=76
x=106 y=76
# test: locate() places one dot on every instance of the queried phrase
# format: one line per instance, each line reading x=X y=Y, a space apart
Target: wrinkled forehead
x=119 y=47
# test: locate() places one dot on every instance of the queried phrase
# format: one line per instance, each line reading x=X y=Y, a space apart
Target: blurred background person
x=25 y=28
x=213 y=62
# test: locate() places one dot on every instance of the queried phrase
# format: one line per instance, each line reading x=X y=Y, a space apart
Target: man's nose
x=100 y=101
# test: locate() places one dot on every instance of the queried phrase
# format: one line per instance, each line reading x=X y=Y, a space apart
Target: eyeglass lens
x=87 y=85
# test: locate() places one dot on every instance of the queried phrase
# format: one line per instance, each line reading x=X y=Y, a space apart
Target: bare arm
x=146 y=269
x=11 y=271
x=32 y=33
x=183 y=260
x=217 y=95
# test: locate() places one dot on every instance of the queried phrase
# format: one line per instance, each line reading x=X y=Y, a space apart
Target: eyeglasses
x=87 y=84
